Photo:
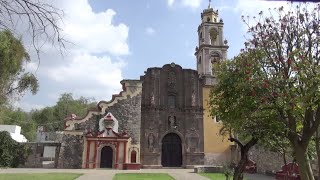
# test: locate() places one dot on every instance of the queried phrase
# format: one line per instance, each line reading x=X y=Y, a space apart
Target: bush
x=12 y=153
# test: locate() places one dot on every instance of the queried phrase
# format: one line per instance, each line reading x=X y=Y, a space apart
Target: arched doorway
x=171 y=151
x=106 y=157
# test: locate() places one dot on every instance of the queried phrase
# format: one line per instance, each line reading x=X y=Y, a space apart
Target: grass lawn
x=214 y=176
x=142 y=176
x=39 y=176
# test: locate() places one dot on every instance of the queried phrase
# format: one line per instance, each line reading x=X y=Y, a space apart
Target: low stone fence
x=209 y=169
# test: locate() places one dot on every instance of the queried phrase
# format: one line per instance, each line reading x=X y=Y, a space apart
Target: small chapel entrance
x=106 y=157
x=171 y=151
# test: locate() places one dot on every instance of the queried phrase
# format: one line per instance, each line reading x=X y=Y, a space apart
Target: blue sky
x=120 y=39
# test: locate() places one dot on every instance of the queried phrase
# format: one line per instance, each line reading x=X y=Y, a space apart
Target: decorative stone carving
x=151 y=139
x=172 y=121
x=107 y=123
x=192 y=140
x=172 y=80
x=152 y=101
x=193 y=99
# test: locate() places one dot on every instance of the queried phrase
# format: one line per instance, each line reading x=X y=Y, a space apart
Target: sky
x=119 y=39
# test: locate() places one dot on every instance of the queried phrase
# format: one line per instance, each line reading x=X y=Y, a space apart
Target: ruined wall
x=39 y=157
x=70 y=156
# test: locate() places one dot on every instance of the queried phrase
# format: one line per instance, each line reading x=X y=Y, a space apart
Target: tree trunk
x=305 y=170
x=239 y=169
x=317 y=139
x=285 y=162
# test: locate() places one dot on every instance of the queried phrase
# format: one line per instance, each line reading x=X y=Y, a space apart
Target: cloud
x=253 y=7
x=27 y=106
x=150 y=31
x=92 y=65
x=185 y=3
x=91 y=75
x=170 y=3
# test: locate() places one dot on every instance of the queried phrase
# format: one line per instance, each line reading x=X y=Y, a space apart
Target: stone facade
x=114 y=123
x=70 y=156
x=171 y=103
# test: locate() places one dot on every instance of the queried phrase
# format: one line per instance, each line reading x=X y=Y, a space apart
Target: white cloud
x=27 y=106
x=253 y=7
x=90 y=75
x=92 y=66
x=150 y=31
x=185 y=3
x=170 y=2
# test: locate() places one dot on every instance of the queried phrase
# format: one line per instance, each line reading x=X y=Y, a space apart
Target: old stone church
x=160 y=120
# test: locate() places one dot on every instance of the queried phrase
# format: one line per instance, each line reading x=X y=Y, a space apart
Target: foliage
x=11 y=116
x=40 y=176
x=14 y=81
x=277 y=78
x=52 y=118
x=12 y=153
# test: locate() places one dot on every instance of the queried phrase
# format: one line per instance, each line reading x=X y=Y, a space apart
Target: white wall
x=14 y=132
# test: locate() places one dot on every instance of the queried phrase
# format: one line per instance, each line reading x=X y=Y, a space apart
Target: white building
x=14 y=132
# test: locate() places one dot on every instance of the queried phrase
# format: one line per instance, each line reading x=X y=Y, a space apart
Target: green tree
x=239 y=108
x=280 y=64
x=14 y=81
x=52 y=118
x=11 y=116
x=12 y=153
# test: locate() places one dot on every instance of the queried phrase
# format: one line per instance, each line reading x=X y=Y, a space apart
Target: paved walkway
x=103 y=174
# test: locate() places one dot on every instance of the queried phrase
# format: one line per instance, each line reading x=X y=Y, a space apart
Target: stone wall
x=38 y=156
x=128 y=114
x=70 y=156
x=221 y=159
x=266 y=160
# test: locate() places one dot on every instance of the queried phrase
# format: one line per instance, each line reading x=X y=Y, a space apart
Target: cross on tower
x=209 y=6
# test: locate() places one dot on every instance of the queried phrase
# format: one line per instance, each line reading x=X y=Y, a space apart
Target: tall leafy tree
x=239 y=107
x=52 y=118
x=14 y=81
x=281 y=67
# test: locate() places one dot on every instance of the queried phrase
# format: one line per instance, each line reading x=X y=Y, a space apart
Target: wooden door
x=106 y=157
x=171 y=151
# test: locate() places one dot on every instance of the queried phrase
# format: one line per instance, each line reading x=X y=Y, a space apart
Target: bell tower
x=212 y=49
x=212 y=46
